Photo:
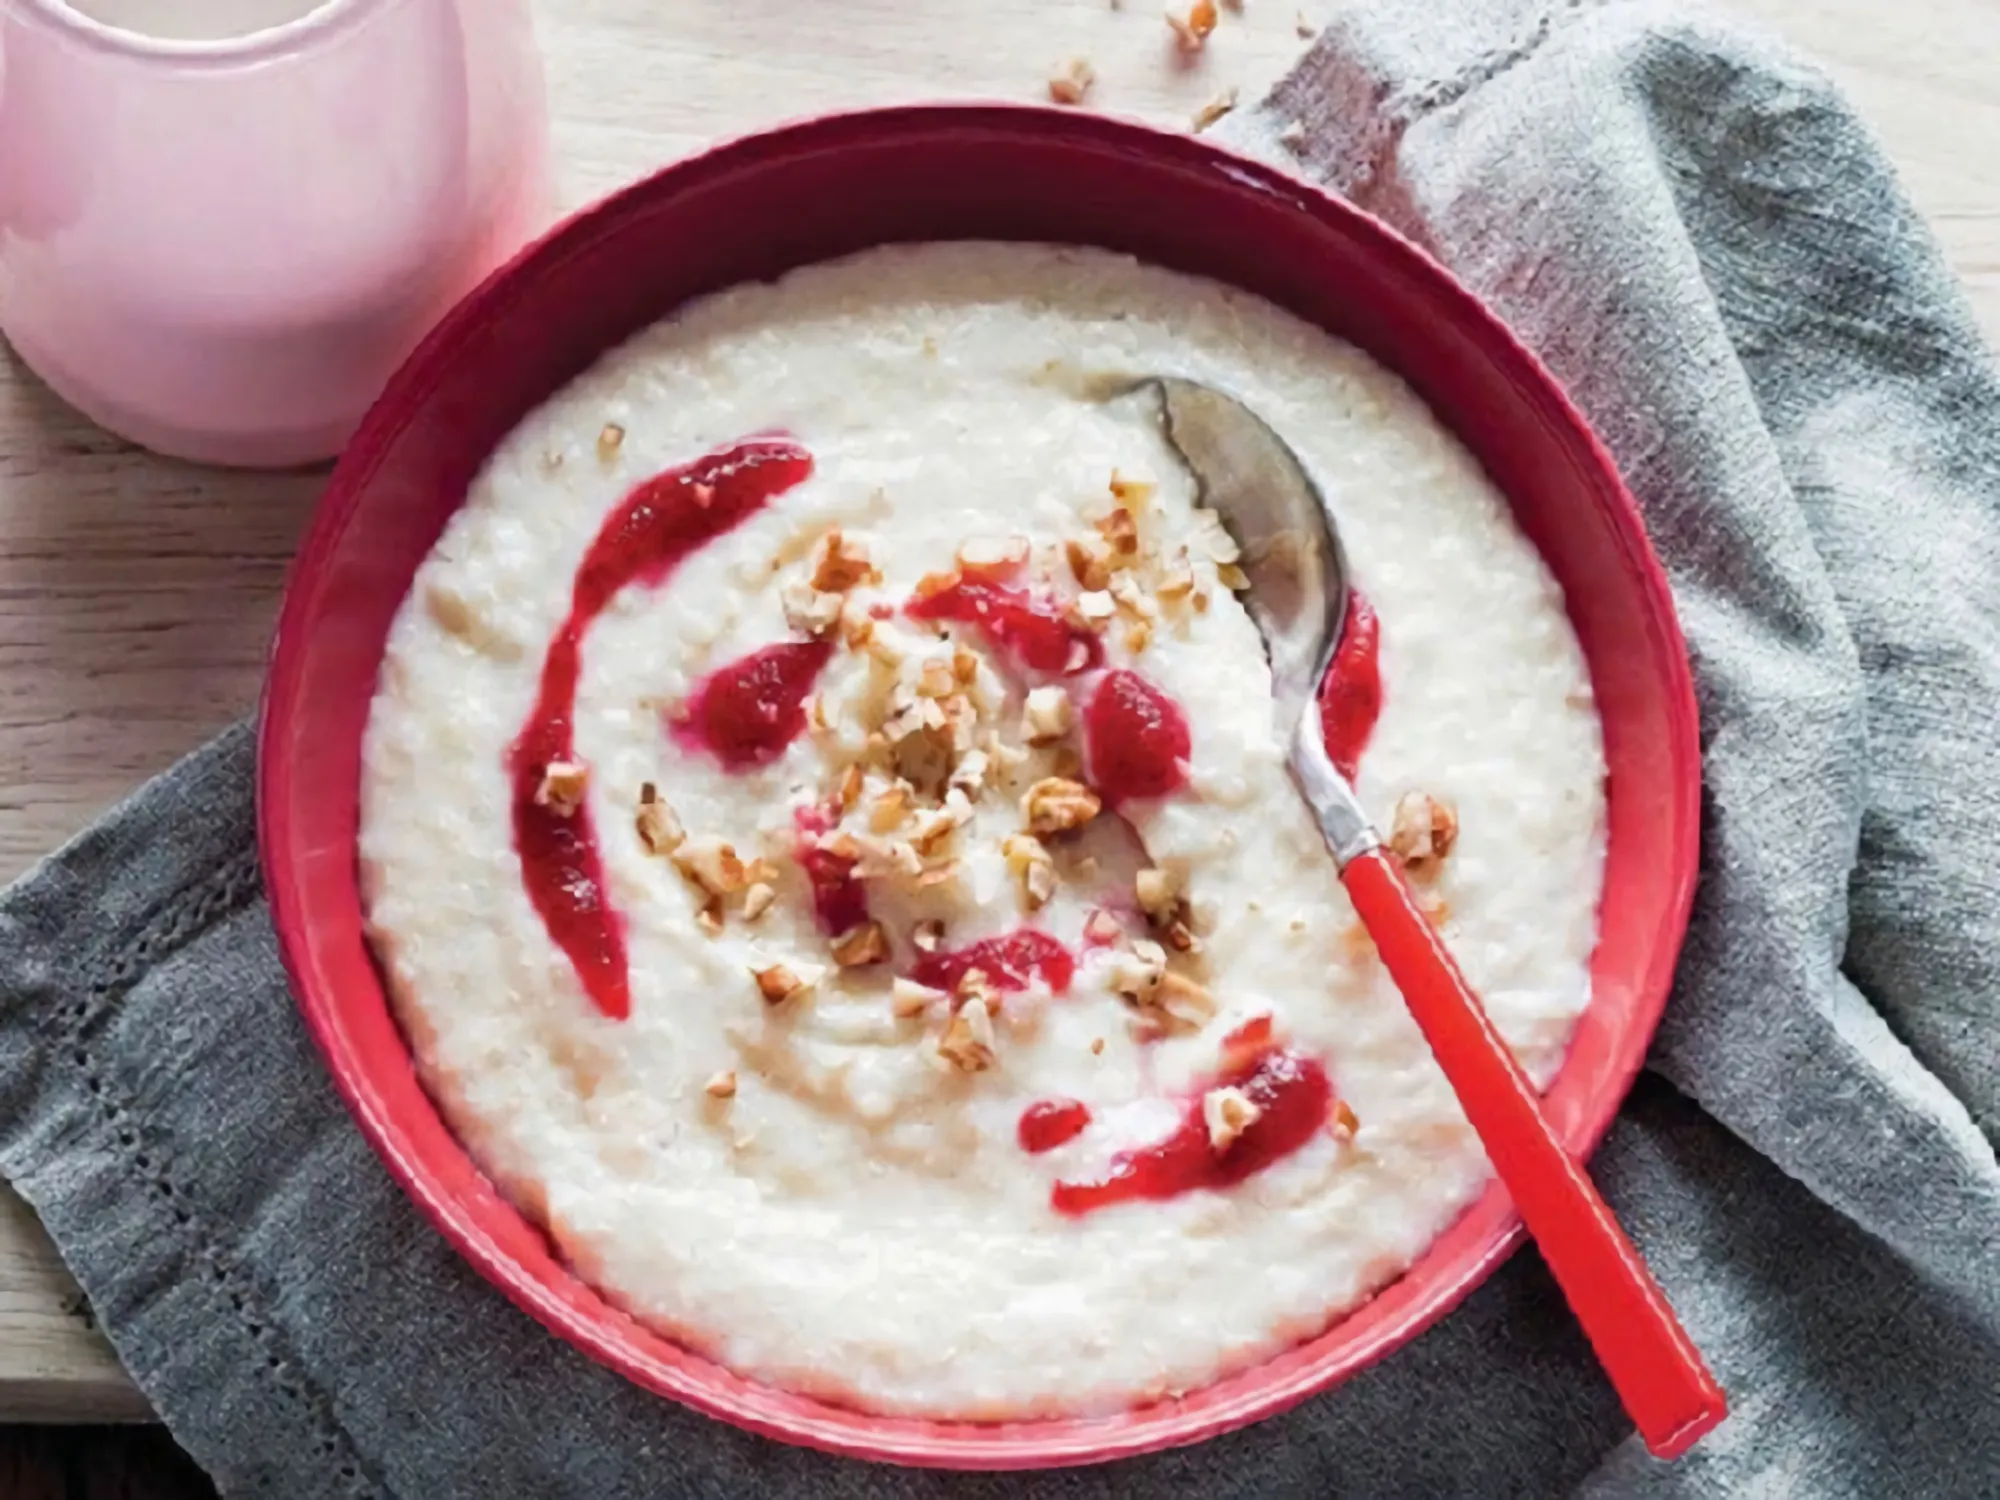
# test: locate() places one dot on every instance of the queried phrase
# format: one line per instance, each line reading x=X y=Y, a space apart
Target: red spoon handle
x=1657 y=1371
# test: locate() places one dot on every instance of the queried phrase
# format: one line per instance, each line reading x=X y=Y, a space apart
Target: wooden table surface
x=136 y=594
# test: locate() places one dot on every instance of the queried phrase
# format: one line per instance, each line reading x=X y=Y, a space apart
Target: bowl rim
x=710 y=1387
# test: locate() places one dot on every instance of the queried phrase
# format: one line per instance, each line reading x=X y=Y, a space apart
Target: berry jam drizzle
x=840 y=902
x=1291 y=1089
x=745 y=713
x=1135 y=739
x=1350 y=700
x=658 y=524
x=1009 y=962
x=1030 y=630
x=1047 y=1123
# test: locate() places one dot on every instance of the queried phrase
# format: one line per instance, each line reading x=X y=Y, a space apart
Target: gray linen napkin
x=1707 y=248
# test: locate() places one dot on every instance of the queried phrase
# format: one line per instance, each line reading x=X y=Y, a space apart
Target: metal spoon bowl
x=1265 y=496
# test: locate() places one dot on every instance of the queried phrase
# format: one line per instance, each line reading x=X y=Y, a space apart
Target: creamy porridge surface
x=819 y=1172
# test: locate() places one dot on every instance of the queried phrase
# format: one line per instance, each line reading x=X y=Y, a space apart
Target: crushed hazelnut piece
x=1089 y=561
x=857 y=627
x=1342 y=1122
x=907 y=998
x=1303 y=29
x=1176 y=579
x=610 y=438
x=1227 y=1112
x=1183 y=999
x=927 y=935
x=1071 y=81
x=967 y=1043
x=1131 y=491
x=942 y=874
x=1136 y=974
x=990 y=555
x=851 y=783
x=1030 y=861
x=860 y=946
x=964 y=666
x=1101 y=927
x=1056 y=804
x=659 y=830
x=1138 y=636
x=969 y=775
x=841 y=564
x=561 y=791
x=1232 y=577
x=1422 y=833
x=757 y=899
x=722 y=1085
x=1094 y=608
x=935 y=678
x=1005 y=756
x=1214 y=110
x=809 y=611
x=1120 y=530
x=1159 y=893
x=936 y=583
x=1180 y=937
x=781 y=982
x=891 y=859
x=709 y=918
x=1191 y=31
x=1097 y=1046
x=891 y=808
x=712 y=864
x=920 y=716
x=1127 y=593
x=1047 y=715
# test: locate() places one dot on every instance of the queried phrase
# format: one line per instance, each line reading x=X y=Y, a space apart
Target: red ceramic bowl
x=754 y=209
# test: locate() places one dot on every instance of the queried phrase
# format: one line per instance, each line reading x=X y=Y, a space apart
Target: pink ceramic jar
x=224 y=222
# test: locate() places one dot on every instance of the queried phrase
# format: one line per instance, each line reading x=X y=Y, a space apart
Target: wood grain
x=136 y=594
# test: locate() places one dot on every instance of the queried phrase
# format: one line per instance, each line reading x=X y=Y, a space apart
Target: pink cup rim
x=326 y=20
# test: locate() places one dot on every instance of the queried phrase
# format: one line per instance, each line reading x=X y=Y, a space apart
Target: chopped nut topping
x=1030 y=862
x=1138 y=636
x=712 y=864
x=1071 y=81
x=561 y=791
x=757 y=899
x=851 y=783
x=1214 y=110
x=927 y=935
x=967 y=1043
x=1183 y=999
x=1094 y=608
x=1047 y=716
x=1101 y=927
x=860 y=946
x=1227 y=1112
x=1056 y=804
x=1232 y=577
x=722 y=1085
x=889 y=859
x=969 y=775
x=709 y=918
x=1131 y=491
x=937 y=825
x=809 y=611
x=942 y=874
x=857 y=626
x=1126 y=592
x=610 y=437
x=964 y=666
x=993 y=555
x=1303 y=29
x=659 y=830
x=841 y=564
x=1089 y=561
x=1191 y=31
x=907 y=998
x=936 y=583
x=936 y=679
x=961 y=721
x=1120 y=530
x=781 y=982
x=1136 y=974
x=1221 y=545
x=1180 y=937
x=1097 y=1046
x=919 y=716
x=1422 y=833
x=1342 y=1122
x=1159 y=893
x=1004 y=756
x=1176 y=579
x=891 y=808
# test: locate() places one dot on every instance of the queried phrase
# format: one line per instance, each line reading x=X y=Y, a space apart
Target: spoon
x=1261 y=491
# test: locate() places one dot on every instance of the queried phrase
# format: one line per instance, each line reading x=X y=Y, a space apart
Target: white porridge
x=876 y=993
